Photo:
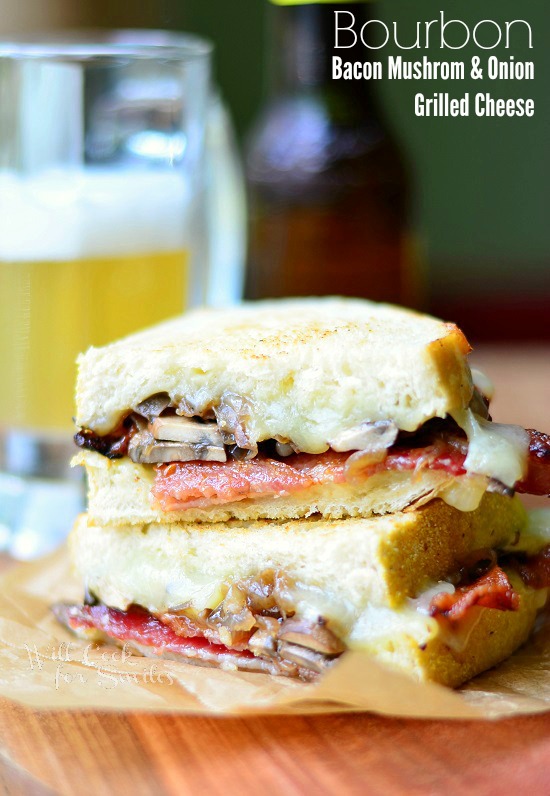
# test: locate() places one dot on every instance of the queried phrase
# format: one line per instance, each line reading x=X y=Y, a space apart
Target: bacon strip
x=139 y=626
x=492 y=590
x=200 y=484
x=184 y=485
x=534 y=570
x=148 y=635
x=537 y=480
x=440 y=456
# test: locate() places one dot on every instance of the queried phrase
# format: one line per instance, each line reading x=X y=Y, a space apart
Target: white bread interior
x=308 y=368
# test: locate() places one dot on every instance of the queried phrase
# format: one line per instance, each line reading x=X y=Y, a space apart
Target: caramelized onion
x=465 y=493
x=499 y=488
x=302 y=656
x=232 y=414
x=233 y=614
x=476 y=564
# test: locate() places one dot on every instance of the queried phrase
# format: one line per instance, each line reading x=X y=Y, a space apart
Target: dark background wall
x=482 y=199
x=484 y=182
x=483 y=194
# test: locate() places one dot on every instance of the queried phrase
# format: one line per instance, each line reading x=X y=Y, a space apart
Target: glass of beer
x=101 y=231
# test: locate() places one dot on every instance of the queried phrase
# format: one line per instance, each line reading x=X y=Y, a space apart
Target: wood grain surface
x=95 y=753
x=91 y=753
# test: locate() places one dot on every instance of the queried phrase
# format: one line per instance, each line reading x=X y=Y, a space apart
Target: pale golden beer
x=86 y=257
x=102 y=232
x=51 y=311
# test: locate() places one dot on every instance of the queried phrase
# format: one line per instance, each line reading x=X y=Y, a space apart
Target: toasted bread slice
x=119 y=493
x=306 y=370
x=401 y=639
x=360 y=579
x=353 y=562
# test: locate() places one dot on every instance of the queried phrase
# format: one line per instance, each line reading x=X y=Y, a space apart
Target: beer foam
x=71 y=215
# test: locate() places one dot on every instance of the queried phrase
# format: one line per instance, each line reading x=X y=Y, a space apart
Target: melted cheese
x=494 y=449
x=377 y=626
x=464 y=492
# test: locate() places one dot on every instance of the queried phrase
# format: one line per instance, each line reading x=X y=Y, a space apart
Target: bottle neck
x=301 y=45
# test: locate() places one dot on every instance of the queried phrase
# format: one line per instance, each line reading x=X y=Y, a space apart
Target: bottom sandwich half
x=436 y=592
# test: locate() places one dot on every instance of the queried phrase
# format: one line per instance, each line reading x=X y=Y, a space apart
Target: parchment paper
x=44 y=666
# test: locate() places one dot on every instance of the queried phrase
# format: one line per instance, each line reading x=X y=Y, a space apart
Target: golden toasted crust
x=493 y=637
x=307 y=369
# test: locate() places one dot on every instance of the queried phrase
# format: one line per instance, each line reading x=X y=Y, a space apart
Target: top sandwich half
x=286 y=408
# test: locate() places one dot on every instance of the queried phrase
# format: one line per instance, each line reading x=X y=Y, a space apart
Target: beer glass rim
x=93 y=44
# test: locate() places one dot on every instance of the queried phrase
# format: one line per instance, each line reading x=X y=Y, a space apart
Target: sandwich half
x=438 y=593
x=283 y=410
x=273 y=485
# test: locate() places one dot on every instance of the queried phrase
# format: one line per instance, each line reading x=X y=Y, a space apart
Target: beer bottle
x=327 y=185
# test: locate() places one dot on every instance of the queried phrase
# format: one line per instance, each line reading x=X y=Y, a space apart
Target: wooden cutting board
x=93 y=753
x=98 y=753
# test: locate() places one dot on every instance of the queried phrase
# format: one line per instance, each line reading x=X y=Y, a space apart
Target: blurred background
x=480 y=199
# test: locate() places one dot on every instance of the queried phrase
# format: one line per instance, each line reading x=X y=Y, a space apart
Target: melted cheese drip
x=494 y=449
x=377 y=626
x=464 y=492
x=483 y=383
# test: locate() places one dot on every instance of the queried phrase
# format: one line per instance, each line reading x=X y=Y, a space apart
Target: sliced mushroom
x=145 y=449
x=264 y=640
x=284 y=449
x=139 y=421
x=307 y=658
x=500 y=488
x=313 y=635
x=183 y=429
x=153 y=406
x=184 y=407
x=370 y=437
